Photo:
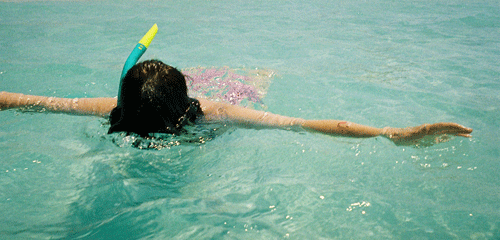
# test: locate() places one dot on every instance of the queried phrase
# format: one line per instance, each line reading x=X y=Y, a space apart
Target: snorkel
x=134 y=56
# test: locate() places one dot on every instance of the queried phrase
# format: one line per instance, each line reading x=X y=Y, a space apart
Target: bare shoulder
x=207 y=105
x=245 y=116
x=213 y=110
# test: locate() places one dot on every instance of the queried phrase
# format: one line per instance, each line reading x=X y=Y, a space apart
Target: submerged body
x=153 y=98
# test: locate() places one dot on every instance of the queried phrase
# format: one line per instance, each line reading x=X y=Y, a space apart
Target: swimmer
x=154 y=99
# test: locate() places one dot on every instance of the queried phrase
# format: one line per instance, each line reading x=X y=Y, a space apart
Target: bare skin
x=248 y=117
x=412 y=135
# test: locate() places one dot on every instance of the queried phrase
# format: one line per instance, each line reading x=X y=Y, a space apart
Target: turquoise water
x=396 y=63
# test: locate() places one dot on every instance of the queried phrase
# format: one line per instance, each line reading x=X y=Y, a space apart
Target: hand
x=436 y=133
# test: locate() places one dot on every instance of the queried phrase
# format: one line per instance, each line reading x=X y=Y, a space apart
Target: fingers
x=449 y=128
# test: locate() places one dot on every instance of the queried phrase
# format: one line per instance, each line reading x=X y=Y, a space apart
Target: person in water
x=154 y=99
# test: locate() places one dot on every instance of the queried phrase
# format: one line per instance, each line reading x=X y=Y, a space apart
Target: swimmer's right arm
x=400 y=136
x=254 y=118
x=79 y=106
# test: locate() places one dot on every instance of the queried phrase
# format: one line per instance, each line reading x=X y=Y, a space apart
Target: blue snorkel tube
x=134 y=56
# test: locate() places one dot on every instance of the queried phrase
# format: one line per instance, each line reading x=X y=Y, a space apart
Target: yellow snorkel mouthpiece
x=146 y=40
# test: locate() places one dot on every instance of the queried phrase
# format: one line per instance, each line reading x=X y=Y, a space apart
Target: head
x=153 y=98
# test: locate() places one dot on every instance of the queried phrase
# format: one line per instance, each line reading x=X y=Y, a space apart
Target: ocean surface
x=378 y=63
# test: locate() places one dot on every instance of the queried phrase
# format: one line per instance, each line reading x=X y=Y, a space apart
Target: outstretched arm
x=240 y=115
x=81 y=106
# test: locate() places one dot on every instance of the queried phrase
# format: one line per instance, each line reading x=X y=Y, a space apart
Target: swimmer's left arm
x=79 y=106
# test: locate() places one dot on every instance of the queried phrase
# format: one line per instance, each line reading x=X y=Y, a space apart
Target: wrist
x=387 y=132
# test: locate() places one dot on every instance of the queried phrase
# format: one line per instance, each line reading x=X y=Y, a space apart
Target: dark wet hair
x=153 y=99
